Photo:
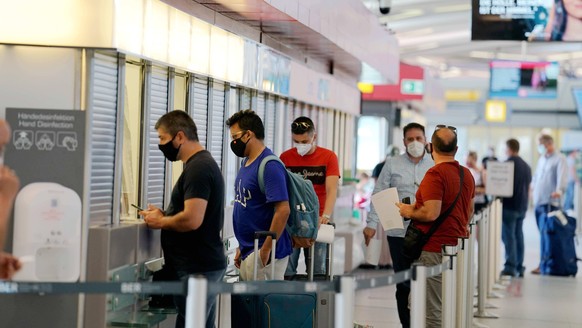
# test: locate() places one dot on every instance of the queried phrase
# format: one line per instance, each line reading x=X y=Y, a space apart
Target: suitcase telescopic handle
x=260 y=234
x=265 y=234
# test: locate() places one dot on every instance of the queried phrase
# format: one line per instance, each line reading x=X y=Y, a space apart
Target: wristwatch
x=327 y=216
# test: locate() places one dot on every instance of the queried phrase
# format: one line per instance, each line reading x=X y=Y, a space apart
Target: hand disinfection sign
x=47 y=233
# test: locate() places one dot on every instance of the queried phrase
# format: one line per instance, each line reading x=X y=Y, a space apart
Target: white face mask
x=542 y=149
x=415 y=148
x=302 y=149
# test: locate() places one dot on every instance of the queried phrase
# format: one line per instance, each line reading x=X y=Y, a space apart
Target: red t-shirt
x=441 y=182
x=315 y=167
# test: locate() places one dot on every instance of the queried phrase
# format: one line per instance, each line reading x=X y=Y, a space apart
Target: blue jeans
x=400 y=263
x=512 y=236
x=319 y=262
x=541 y=218
x=180 y=300
x=569 y=196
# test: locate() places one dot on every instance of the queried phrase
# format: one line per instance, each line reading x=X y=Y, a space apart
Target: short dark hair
x=302 y=124
x=546 y=138
x=513 y=145
x=442 y=146
x=176 y=121
x=412 y=125
x=248 y=120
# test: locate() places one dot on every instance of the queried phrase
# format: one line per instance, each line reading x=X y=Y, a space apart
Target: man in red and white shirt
x=321 y=167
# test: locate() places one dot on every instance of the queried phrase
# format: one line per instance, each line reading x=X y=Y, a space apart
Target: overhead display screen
x=533 y=20
x=515 y=79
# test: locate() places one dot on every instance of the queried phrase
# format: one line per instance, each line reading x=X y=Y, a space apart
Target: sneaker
x=506 y=274
x=536 y=271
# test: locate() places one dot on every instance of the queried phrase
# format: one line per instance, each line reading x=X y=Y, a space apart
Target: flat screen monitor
x=577 y=93
x=516 y=79
x=533 y=20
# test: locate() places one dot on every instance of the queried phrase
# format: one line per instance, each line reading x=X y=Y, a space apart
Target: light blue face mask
x=542 y=149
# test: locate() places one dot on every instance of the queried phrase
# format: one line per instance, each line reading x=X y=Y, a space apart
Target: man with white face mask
x=548 y=183
x=321 y=167
x=405 y=172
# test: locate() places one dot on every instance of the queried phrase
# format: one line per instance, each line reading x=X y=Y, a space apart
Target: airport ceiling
x=437 y=34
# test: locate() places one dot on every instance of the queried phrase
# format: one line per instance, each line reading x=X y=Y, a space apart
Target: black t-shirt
x=199 y=250
x=521 y=182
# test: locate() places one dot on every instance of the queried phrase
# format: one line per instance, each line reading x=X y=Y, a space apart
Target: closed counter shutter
x=217 y=121
x=245 y=99
x=270 y=123
x=199 y=106
x=260 y=106
x=103 y=112
x=156 y=168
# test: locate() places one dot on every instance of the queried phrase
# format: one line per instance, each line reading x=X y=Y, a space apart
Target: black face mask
x=238 y=146
x=169 y=151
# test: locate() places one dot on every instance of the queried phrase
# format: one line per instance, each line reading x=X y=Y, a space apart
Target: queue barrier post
x=196 y=302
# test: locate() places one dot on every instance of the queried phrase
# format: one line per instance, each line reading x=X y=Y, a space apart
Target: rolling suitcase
x=325 y=300
x=272 y=309
x=559 y=252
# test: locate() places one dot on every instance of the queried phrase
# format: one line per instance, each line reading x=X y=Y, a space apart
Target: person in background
x=548 y=183
x=254 y=210
x=320 y=166
x=390 y=152
x=9 y=186
x=480 y=200
x=490 y=156
x=436 y=193
x=514 y=209
x=565 y=21
x=404 y=172
x=192 y=222
x=573 y=180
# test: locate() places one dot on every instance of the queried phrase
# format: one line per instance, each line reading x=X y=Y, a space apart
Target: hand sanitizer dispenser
x=47 y=233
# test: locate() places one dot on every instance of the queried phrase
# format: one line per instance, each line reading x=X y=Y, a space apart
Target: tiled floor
x=545 y=301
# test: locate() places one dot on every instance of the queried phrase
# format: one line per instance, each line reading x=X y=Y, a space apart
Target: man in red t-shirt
x=435 y=195
x=320 y=166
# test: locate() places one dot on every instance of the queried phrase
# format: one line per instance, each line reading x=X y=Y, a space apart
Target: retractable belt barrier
x=196 y=287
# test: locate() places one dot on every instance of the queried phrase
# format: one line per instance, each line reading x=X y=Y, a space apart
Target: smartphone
x=137 y=207
x=406 y=200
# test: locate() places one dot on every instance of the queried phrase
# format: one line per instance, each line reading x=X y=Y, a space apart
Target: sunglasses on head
x=442 y=126
x=300 y=126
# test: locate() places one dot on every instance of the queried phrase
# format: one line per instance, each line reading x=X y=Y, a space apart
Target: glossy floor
x=544 y=302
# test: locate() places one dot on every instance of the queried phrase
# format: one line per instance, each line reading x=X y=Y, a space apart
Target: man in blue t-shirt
x=254 y=210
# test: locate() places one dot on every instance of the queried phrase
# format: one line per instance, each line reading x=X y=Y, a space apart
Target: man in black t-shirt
x=514 y=209
x=192 y=221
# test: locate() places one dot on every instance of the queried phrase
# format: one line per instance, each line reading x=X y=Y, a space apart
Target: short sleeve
x=275 y=182
x=332 y=165
x=431 y=187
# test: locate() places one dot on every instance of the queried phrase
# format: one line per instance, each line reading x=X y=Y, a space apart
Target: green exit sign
x=411 y=87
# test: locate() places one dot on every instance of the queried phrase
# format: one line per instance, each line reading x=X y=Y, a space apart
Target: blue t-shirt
x=253 y=210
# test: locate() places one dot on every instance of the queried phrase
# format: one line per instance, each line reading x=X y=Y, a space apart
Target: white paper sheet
x=388 y=213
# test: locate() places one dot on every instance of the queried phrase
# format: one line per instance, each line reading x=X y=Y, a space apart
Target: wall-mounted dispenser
x=47 y=233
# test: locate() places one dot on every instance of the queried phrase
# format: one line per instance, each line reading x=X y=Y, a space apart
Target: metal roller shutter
x=260 y=106
x=270 y=123
x=245 y=99
x=156 y=163
x=216 y=113
x=199 y=106
x=103 y=111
